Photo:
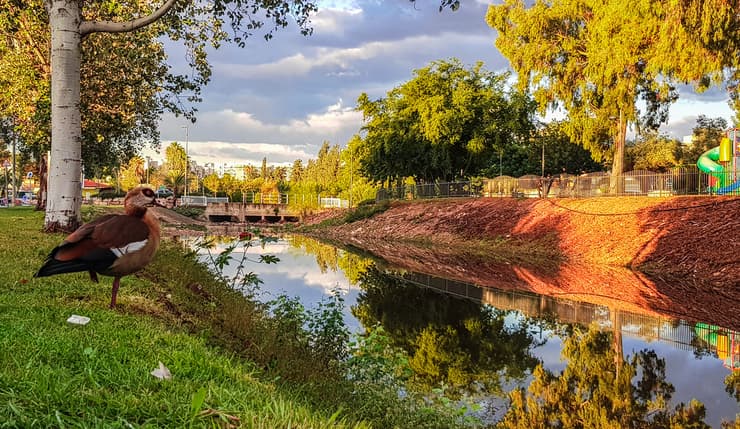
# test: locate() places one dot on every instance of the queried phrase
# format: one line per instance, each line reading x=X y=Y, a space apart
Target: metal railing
x=199 y=200
x=265 y=198
x=333 y=202
x=688 y=180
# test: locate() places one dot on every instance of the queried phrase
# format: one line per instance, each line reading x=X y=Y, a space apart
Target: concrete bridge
x=253 y=213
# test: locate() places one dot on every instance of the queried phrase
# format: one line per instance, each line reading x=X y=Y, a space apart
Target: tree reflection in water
x=453 y=342
x=597 y=389
x=463 y=344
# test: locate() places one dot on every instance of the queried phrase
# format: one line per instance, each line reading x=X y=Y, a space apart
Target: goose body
x=113 y=245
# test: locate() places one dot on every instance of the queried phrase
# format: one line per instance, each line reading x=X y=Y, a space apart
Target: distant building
x=91 y=188
x=236 y=171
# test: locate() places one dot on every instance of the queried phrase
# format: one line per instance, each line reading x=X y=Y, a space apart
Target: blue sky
x=283 y=98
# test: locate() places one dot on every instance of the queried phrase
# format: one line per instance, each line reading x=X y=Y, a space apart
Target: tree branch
x=88 y=27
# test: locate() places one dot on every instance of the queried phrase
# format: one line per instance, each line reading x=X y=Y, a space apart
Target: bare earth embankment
x=677 y=257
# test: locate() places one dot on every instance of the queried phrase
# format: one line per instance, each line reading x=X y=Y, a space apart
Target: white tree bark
x=65 y=165
x=65 y=190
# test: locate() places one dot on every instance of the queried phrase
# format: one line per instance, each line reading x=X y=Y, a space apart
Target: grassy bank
x=232 y=364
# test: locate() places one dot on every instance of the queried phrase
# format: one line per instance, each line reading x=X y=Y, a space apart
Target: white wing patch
x=129 y=248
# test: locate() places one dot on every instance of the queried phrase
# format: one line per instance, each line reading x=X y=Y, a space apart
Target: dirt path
x=677 y=256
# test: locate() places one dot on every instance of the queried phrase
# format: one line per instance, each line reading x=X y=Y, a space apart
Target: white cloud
x=344 y=60
x=333 y=20
x=229 y=136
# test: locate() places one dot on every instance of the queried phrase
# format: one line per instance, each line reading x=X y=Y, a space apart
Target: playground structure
x=722 y=163
x=724 y=342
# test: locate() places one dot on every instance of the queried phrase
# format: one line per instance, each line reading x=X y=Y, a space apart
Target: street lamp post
x=15 y=186
x=187 y=161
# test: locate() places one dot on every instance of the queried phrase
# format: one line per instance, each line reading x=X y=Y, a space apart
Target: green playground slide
x=708 y=162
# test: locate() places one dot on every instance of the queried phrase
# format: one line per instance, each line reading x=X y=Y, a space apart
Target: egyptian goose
x=112 y=245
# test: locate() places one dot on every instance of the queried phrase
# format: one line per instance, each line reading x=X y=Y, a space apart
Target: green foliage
x=590 y=59
x=374 y=359
x=380 y=370
x=241 y=279
x=191 y=212
x=732 y=385
x=322 y=173
x=328 y=335
x=133 y=174
x=600 y=61
x=367 y=202
x=706 y=134
x=210 y=336
x=366 y=211
x=447 y=122
x=316 y=342
x=562 y=155
x=111 y=194
x=212 y=183
x=653 y=152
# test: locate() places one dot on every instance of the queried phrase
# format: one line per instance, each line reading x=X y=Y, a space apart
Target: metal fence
x=688 y=180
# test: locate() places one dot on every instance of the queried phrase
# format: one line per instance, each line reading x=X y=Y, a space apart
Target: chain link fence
x=686 y=180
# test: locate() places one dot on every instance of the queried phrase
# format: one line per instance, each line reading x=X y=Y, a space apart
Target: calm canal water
x=494 y=339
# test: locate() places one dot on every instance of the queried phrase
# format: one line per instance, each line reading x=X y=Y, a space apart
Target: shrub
x=191 y=212
x=366 y=211
x=111 y=194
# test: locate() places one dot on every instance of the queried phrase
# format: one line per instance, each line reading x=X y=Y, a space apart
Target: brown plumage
x=111 y=245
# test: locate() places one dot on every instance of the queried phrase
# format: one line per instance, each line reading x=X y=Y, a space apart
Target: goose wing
x=96 y=245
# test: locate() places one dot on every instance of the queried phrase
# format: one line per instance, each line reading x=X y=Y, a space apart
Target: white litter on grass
x=78 y=320
x=162 y=372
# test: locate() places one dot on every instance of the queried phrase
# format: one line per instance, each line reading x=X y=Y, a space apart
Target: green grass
x=233 y=365
x=53 y=374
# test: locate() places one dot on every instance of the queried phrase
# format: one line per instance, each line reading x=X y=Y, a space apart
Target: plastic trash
x=78 y=320
x=162 y=373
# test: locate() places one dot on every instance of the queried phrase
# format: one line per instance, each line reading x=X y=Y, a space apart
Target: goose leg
x=116 y=283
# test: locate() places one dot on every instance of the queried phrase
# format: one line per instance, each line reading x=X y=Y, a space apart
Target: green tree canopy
x=707 y=134
x=447 y=122
x=212 y=183
x=125 y=84
x=321 y=173
x=133 y=174
x=175 y=163
x=599 y=61
x=589 y=59
x=653 y=152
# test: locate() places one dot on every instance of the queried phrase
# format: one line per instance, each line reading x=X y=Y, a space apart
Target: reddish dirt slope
x=672 y=256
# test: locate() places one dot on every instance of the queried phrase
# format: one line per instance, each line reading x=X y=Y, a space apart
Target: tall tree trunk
x=43 y=183
x=65 y=190
x=617 y=180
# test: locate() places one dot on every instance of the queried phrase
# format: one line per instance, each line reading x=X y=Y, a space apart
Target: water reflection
x=453 y=342
x=492 y=341
x=311 y=276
